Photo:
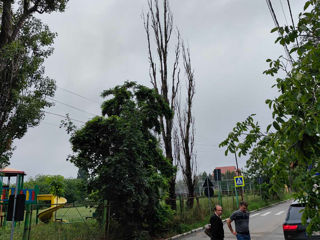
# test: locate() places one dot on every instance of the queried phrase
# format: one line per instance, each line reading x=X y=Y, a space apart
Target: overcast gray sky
x=102 y=43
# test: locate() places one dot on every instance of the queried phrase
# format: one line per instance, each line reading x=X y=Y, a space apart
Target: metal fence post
x=37 y=213
x=26 y=222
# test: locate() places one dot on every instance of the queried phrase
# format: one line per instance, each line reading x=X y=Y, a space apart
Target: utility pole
x=238 y=174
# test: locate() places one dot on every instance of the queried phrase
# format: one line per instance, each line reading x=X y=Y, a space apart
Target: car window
x=295 y=213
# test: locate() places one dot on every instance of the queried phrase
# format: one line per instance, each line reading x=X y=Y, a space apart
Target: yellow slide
x=56 y=203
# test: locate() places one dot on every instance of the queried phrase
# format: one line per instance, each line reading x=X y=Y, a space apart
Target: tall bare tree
x=184 y=133
x=164 y=70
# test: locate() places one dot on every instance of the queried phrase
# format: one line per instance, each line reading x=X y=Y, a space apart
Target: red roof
x=11 y=172
x=226 y=169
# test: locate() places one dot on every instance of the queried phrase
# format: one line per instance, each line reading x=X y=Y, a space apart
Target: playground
x=25 y=214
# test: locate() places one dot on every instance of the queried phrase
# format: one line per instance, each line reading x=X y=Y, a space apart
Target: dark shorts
x=243 y=236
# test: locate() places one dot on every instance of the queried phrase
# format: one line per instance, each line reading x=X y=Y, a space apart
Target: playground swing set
x=15 y=202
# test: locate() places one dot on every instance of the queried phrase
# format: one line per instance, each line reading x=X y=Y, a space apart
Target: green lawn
x=75 y=225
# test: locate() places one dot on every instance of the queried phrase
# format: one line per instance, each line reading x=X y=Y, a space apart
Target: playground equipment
x=56 y=203
x=14 y=201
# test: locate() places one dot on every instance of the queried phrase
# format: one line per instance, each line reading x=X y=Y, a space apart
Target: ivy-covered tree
x=25 y=42
x=123 y=158
x=291 y=146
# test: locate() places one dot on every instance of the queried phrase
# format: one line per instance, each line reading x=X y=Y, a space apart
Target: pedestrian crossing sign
x=238 y=181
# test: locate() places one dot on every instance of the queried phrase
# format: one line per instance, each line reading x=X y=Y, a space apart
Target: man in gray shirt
x=241 y=220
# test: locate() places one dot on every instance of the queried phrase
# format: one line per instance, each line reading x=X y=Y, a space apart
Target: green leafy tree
x=57 y=185
x=42 y=181
x=123 y=158
x=292 y=141
x=25 y=42
x=74 y=189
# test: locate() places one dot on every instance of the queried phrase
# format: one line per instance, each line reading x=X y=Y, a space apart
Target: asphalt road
x=265 y=224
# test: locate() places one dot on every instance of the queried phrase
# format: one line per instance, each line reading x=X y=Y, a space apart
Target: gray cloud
x=103 y=44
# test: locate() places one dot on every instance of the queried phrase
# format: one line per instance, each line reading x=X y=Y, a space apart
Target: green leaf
x=301 y=135
x=268 y=128
x=306 y=5
x=276 y=125
x=274 y=29
x=280 y=120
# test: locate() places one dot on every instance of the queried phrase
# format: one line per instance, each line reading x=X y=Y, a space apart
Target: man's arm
x=213 y=221
x=230 y=227
x=213 y=224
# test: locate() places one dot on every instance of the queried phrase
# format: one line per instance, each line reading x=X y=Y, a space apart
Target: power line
x=60 y=115
x=290 y=13
x=70 y=106
x=284 y=14
x=51 y=124
x=76 y=94
x=292 y=20
x=274 y=17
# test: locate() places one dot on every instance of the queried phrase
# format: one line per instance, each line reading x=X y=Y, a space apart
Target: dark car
x=292 y=227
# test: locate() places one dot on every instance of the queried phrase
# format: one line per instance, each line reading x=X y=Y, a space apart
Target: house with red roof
x=226 y=169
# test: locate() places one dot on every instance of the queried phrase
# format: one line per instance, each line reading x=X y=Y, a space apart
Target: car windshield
x=295 y=212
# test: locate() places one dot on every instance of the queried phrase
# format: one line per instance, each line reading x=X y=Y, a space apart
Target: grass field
x=75 y=223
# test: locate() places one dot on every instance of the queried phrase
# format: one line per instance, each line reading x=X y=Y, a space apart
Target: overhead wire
x=274 y=17
x=60 y=115
x=289 y=6
x=76 y=94
x=284 y=14
x=51 y=124
x=70 y=106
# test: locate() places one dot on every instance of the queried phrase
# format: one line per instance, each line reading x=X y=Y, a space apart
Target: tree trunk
x=190 y=196
x=6 y=25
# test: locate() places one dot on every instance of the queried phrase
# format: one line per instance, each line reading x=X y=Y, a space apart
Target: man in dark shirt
x=217 y=232
x=241 y=219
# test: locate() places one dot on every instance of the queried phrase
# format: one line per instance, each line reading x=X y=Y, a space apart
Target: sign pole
x=238 y=173
x=220 y=195
x=209 y=201
x=238 y=182
x=237 y=199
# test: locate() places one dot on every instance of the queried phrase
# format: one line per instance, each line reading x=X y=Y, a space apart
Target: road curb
x=202 y=228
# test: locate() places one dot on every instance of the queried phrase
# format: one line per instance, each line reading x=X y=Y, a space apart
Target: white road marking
x=279 y=213
x=265 y=214
x=254 y=214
